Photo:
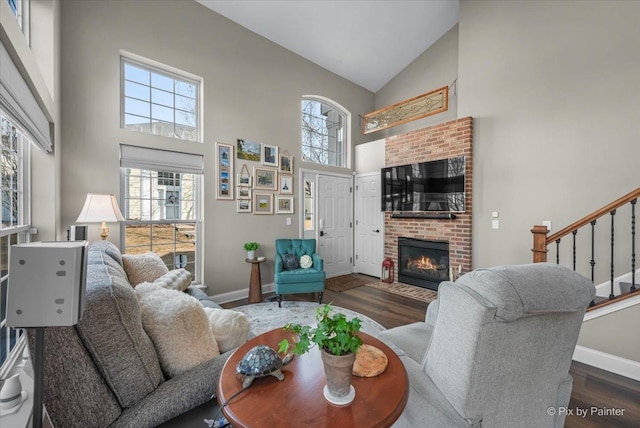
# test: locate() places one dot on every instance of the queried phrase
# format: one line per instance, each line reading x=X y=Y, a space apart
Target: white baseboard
x=232 y=296
x=608 y=362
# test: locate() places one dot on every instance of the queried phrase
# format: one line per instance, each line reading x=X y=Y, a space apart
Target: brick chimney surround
x=436 y=142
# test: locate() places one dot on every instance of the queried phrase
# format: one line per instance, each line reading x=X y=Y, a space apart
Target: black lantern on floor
x=388 y=271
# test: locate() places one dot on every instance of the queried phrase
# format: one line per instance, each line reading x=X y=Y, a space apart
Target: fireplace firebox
x=422 y=262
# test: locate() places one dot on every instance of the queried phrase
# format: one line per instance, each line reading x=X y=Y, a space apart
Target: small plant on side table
x=250 y=248
x=338 y=341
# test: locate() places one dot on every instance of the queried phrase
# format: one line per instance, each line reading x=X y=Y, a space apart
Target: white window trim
x=168 y=70
x=347 y=125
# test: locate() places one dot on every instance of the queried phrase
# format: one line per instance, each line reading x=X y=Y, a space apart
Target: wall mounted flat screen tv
x=425 y=186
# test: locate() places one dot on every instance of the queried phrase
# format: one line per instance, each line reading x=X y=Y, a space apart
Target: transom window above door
x=325 y=132
x=159 y=102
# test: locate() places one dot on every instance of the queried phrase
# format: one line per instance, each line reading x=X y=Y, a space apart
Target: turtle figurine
x=261 y=361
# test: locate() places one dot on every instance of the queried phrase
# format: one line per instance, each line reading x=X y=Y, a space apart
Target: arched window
x=325 y=132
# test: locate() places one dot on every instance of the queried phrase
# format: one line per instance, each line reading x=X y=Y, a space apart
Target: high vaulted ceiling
x=367 y=41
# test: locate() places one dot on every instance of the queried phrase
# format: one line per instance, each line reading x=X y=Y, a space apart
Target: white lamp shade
x=100 y=208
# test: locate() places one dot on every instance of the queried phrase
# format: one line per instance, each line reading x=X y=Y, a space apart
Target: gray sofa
x=104 y=372
x=495 y=349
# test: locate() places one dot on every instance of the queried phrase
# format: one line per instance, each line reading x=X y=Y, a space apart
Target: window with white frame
x=20 y=9
x=162 y=208
x=159 y=101
x=325 y=138
x=15 y=220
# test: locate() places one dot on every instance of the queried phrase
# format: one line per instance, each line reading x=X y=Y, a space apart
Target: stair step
x=599 y=299
x=625 y=287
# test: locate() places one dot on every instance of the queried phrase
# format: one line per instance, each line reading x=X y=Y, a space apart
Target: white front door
x=335 y=207
x=369 y=225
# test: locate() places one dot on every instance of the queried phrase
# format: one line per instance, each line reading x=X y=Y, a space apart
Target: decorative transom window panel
x=15 y=220
x=162 y=215
x=159 y=102
x=324 y=133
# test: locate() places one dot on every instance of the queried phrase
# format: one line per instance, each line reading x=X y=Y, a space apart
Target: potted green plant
x=250 y=248
x=338 y=341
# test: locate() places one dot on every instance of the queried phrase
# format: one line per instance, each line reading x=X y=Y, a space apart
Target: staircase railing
x=541 y=241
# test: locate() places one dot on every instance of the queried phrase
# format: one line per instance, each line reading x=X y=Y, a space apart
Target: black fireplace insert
x=423 y=262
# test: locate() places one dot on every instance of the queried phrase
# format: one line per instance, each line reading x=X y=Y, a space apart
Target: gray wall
x=614 y=333
x=252 y=90
x=553 y=90
x=434 y=68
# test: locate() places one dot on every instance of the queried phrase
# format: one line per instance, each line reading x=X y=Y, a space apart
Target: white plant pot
x=251 y=254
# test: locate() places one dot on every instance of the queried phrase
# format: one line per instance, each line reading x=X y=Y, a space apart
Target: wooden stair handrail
x=595 y=215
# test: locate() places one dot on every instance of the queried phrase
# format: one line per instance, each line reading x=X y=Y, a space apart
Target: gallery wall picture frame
x=243 y=193
x=243 y=180
x=269 y=155
x=224 y=171
x=243 y=206
x=286 y=164
x=265 y=178
x=285 y=184
x=284 y=205
x=248 y=150
x=263 y=203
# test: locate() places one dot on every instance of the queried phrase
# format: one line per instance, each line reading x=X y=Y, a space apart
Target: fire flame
x=423 y=263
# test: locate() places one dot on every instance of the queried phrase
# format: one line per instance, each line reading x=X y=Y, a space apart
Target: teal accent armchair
x=298 y=280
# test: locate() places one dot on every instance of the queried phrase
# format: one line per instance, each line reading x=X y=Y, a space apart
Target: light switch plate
x=547 y=223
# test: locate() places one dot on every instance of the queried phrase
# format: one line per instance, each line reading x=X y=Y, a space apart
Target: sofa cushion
x=290 y=261
x=145 y=267
x=178 y=327
x=111 y=329
x=230 y=328
x=177 y=279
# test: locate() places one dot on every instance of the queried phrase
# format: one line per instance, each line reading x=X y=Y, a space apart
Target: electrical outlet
x=495 y=224
x=288 y=221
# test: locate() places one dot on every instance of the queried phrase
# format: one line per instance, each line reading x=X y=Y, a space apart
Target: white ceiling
x=365 y=41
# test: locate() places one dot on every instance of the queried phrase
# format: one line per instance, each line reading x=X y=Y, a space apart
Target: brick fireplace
x=442 y=141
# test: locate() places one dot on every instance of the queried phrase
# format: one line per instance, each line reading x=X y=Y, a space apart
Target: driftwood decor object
x=405 y=111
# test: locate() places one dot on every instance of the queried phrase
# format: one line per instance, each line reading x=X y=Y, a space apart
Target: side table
x=255 y=284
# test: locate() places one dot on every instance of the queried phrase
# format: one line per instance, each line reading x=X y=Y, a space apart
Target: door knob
x=376 y=231
x=322 y=233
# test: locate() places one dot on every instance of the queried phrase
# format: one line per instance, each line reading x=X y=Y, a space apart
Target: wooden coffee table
x=298 y=401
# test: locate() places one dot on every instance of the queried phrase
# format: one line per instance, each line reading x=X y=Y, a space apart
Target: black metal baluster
x=593 y=261
x=613 y=213
x=558 y=251
x=633 y=245
x=575 y=232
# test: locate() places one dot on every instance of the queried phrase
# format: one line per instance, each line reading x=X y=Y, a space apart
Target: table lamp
x=100 y=209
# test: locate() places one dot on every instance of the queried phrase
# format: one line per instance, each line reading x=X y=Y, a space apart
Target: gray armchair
x=495 y=348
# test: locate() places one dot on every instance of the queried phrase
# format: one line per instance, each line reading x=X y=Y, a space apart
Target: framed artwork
x=224 y=167
x=243 y=193
x=269 y=155
x=243 y=205
x=263 y=203
x=285 y=184
x=286 y=164
x=284 y=205
x=265 y=178
x=248 y=150
x=243 y=180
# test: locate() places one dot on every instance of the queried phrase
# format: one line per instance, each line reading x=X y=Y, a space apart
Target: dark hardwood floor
x=594 y=391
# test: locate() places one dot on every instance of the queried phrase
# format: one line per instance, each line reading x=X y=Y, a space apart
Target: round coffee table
x=298 y=400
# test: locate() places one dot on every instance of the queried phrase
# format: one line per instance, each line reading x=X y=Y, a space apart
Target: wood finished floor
x=592 y=387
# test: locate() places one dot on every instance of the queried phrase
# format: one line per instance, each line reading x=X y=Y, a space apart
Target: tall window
x=20 y=9
x=159 y=102
x=324 y=133
x=162 y=205
x=15 y=217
